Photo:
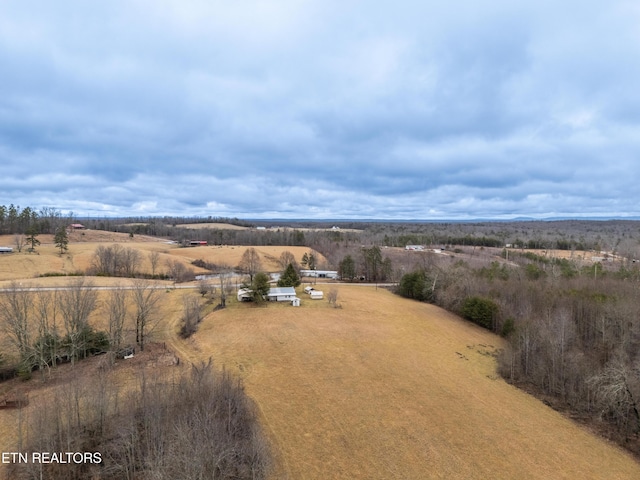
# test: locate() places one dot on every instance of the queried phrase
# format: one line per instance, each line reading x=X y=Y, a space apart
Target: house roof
x=276 y=291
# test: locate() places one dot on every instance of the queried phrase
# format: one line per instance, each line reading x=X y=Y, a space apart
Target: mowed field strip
x=390 y=388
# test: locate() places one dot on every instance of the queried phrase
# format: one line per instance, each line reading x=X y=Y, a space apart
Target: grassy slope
x=389 y=388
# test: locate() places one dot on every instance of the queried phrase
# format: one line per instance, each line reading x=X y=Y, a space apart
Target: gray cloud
x=321 y=109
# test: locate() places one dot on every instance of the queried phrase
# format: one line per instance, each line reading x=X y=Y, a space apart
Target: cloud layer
x=321 y=109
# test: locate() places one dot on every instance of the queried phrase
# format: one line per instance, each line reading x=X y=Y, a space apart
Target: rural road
x=158 y=287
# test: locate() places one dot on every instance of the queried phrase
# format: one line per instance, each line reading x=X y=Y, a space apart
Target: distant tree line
x=16 y=220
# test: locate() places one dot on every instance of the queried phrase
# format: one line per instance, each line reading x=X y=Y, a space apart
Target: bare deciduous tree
x=200 y=426
x=130 y=262
x=205 y=287
x=146 y=299
x=154 y=260
x=15 y=312
x=116 y=308
x=178 y=272
x=19 y=241
x=116 y=260
x=617 y=393
x=250 y=262
x=191 y=315
x=47 y=344
x=224 y=272
x=287 y=258
x=77 y=303
x=332 y=297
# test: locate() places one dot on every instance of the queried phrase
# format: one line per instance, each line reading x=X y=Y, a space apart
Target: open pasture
x=83 y=244
x=212 y=226
x=231 y=255
x=390 y=388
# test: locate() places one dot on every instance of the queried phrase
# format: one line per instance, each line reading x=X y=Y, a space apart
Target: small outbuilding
x=316 y=295
x=6 y=250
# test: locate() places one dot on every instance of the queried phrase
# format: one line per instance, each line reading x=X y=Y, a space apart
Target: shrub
x=413 y=285
x=508 y=327
x=481 y=311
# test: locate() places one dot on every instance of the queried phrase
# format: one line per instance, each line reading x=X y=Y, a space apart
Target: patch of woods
x=50 y=327
x=198 y=424
x=573 y=332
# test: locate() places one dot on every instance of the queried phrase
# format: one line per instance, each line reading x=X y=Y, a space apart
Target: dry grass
x=383 y=387
x=82 y=245
x=212 y=226
x=231 y=256
x=389 y=388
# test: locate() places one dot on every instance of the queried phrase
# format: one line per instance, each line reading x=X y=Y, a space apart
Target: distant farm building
x=6 y=250
x=77 y=226
x=414 y=248
x=198 y=243
x=333 y=274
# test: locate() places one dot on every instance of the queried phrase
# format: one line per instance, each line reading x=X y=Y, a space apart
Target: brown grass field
x=212 y=226
x=82 y=245
x=389 y=388
x=228 y=226
x=381 y=388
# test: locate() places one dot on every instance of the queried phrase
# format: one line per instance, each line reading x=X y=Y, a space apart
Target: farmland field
x=20 y=266
x=380 y=388
x=389 y=388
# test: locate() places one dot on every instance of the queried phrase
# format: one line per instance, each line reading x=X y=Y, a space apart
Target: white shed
x=6 y=249
x=316 y=295
x=295 y=302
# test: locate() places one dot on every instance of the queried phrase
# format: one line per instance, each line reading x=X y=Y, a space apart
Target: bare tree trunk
x=76 y=305
x=146 y=299
x=116 y=307
x=15 y=311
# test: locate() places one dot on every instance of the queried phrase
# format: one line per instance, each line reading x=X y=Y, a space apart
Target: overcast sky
x=320 y=108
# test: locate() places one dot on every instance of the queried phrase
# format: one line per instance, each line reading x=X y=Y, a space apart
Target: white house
x=276 y=294
x=333 y=274
x=281 y=294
